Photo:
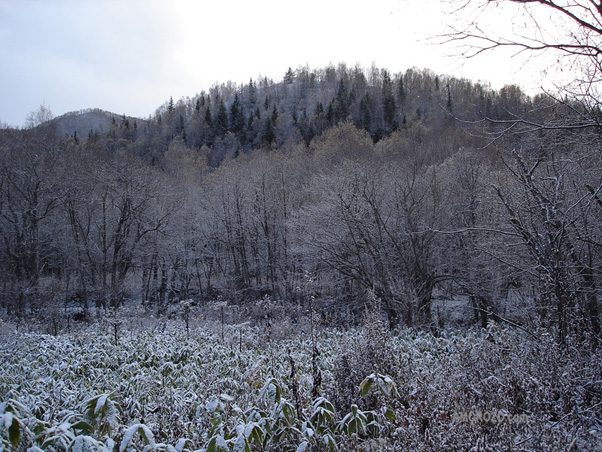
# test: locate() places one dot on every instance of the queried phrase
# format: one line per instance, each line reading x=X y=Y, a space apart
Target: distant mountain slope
x=83 y=121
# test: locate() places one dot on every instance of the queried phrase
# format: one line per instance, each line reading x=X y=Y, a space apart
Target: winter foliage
x=159 y=389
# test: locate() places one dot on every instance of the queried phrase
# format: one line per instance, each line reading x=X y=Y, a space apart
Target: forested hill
x=93 y=121
x=229 y=119
x=332 y=187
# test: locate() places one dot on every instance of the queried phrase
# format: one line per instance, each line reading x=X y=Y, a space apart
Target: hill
x=81 y=123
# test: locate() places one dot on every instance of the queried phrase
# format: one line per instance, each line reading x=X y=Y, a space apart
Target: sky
x=130 y=56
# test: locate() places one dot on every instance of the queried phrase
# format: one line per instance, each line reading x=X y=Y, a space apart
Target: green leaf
x=14 y=432
x=365 y=386
x=83 y=426
x=330 y=442
x=390 y=414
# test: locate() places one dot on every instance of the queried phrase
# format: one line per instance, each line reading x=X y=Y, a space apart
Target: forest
x=314 y=190
x=346 y=259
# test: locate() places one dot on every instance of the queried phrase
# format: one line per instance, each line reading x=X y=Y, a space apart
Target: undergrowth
x=178 y=390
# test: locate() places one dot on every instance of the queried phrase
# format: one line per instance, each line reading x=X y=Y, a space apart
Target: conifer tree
x=319 y=109
x=268 y=136
x=401 y=91
x=342 y=102
x=289 y=77
x=365 y=116
x=208 y=119
x=389 y=107
x=252 y=93
x=330 y=113
x=237 y=117
x=274 y=114
x=221 y=121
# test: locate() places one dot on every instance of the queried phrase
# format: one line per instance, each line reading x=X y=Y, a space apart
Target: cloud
x=131 y=56
x=73 y=52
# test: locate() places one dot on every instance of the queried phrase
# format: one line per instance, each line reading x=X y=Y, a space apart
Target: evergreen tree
x=221 y=121
x=237 y=116
x=208 y=119
x=330 y=113
x=289 y=77
x=401 y=91
x=252 y=93
x=342 y=102
x=268 y=135
x=274 y=114
x=389 y=107
x=365 y=115
x=319 y=109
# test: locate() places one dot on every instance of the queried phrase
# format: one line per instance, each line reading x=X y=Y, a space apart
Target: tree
x=38 y=117
x=549 y=208
x=30 y=189
x=342 y=102
x=571 y=29
x=551 y=220
x=220 y=125
x=237 y=116
x=289 y=77
x=113 y=207
x=389 y=107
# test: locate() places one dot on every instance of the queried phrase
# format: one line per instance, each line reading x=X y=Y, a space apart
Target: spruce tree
x=365 y=117
x=330 y=113
x=221 y=122
x=237 y=117
x=389 y=107
x=208 y=119
x=289 y=77
x=274 y=114
x=252 y=93
x=342 y=102
x=401 y=91
x=319 y=109
x=268 y=136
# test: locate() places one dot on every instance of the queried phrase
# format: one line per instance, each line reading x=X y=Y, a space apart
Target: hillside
x=82 y=123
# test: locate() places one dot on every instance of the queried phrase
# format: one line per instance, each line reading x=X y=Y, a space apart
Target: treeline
x=313 y=191
x=230 y=119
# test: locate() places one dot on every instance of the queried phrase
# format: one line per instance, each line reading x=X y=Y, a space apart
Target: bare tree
x=571 y=30
x=550 y=207
x=29 y=198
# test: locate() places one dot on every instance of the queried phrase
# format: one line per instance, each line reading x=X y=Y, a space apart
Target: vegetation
x=348 y=259
x=366 y=181
x=157 y=388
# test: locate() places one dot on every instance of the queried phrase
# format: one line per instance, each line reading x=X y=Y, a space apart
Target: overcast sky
x=130 y=56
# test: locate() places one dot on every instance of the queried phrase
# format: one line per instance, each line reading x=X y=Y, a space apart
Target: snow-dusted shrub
x=496 y=389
